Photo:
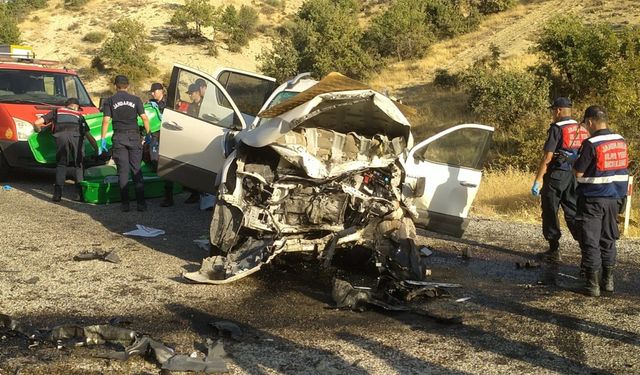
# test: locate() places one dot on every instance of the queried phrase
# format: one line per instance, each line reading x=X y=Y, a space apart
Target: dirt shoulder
x=512 y=323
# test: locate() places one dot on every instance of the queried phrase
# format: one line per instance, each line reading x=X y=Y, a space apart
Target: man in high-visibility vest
x=555 y=181
x=601 y=172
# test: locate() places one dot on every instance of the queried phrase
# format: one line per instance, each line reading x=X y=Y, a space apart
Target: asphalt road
x=515 y=320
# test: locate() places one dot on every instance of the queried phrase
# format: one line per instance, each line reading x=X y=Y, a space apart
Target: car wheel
x=4 y=167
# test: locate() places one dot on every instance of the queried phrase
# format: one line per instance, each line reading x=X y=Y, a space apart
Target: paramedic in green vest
x=69 y=128
x=555 y=182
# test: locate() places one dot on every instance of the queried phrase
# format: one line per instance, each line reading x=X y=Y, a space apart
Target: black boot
x=124 y=199
x=592 y=286
x=57 y=193
x=141 y=204
x=607 y=278
x=79 y=196
x=553 y=254
x=168 y=195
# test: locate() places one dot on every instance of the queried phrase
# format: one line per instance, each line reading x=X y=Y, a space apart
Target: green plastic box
x=101 y=185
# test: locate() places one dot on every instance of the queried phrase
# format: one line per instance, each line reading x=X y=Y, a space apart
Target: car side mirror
x=418 y=191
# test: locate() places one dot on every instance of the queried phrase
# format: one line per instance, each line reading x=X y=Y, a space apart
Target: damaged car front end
x=322 y=172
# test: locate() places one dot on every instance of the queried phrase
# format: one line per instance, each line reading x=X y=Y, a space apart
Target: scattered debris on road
x=104 y=255
x=527 y=264
x=144 y=231
x=69 y=336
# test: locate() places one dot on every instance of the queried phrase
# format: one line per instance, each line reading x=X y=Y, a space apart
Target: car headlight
x=24 y=128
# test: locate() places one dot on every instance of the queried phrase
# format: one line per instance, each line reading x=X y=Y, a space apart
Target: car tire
x=4 y=167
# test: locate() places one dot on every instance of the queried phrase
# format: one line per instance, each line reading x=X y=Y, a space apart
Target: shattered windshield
x=282 y=96
x=33 y=87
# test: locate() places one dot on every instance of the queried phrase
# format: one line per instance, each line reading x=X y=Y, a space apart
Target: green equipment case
x=101 y=185
x=43 y=144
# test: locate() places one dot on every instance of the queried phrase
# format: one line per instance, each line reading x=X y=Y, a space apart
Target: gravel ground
x=516 y=321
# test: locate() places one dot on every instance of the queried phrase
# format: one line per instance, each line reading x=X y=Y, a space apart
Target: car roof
x=35 y=68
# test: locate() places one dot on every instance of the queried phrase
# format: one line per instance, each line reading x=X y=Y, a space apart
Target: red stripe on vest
x=612 y=155
x=573 y=135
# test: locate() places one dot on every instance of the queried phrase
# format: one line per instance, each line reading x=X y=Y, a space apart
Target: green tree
x=9 y=31
x=494 y=6
x=240 y=26
x=281 y=62
x=401 y=31
x=514 y=102
x=190 y=18
x=451 y=17
x=578 y=55
x=127 y=51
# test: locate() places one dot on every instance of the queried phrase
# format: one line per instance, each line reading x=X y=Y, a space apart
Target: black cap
x=193 y=88
x=70 y=101
x=561 y=102
x=121 y=80
x=156 y=86
x=595 y=112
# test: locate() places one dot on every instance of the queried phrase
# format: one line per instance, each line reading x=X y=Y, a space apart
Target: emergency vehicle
x=29 y=88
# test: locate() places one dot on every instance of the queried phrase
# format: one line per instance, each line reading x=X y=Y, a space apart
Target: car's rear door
x=194 y=139
x=248 y=90
x=443 y=176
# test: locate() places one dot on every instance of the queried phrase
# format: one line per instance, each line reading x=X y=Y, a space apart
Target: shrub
x=326 y=38
x=127 y=51
x=445 y=79
x=494 y=6
x=94 y=37
x=9 y=31
x=75 y=4
x=240 y=26
x=401 y=31
x=515 y=103
x=578 y=54
x=281 y=62
x=448 y=18
x=199 y=13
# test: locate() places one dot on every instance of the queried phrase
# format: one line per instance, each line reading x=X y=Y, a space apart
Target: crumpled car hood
x=336 y=103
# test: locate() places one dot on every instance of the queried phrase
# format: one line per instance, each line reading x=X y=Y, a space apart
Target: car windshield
x=23 y=86
x=282 y=96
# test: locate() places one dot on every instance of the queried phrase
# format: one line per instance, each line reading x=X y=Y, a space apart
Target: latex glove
x=535 y=189
x=103 y=146
x=147 y=139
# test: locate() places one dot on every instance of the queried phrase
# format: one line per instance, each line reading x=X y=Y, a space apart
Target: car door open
x=443 y=176
x=197 y=126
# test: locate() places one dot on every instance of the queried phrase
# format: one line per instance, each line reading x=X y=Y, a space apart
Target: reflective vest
x=572 y=137
x=66 y=119
x=609 y=178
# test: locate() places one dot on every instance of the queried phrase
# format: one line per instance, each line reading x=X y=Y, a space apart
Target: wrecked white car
x=326 y=169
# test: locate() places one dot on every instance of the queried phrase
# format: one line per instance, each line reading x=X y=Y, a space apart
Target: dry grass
x=506 y=195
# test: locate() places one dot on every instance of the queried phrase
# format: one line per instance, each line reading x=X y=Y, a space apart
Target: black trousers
x=127 y=153
x=69 y=147
x=596 y=220
x=558 y=190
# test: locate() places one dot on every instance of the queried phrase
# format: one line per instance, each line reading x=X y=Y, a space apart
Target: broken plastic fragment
x=107 y=256
x=144 y=231
x=463 y=299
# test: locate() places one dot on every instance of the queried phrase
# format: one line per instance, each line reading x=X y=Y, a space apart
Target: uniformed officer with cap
x=555 y=181
x=601 y=172
x=123 y=109
x=158 y=101
x=69 y=128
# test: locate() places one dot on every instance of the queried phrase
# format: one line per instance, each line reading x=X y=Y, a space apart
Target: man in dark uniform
x=196 y=99
x=158 y=101
x=555 y=180
x=69 y=129
x=601 y=172
x=123 y=109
